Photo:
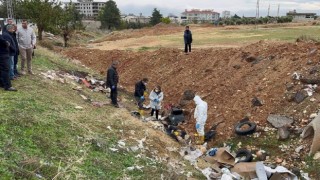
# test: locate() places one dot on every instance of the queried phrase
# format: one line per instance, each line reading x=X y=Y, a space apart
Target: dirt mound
x=228 y=79
x=160 y=29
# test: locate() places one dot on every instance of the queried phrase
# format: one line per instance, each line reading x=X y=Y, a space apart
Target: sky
x=239 y=7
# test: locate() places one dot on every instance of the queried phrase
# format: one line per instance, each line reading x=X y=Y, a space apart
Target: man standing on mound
x=112 y=82
x=187 y=40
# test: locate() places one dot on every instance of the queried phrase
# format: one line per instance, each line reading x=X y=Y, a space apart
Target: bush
x=47 y=44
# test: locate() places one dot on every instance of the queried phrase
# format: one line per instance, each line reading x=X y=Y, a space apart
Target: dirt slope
x=224 y=77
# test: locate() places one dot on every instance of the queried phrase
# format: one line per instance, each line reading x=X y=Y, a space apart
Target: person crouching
x=156 y=97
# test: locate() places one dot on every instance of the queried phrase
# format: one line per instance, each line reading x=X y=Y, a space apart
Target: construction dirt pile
x=159 y=29
x=255 y=81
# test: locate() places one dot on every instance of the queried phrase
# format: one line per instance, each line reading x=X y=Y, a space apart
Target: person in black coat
x=187 y=40
x=112 y=82
x=140 y=88
x=7 y=35
x=4 y=65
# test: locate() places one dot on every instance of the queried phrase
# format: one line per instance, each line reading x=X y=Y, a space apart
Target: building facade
x=89 y=8
x=199 y=16
x=131 y=18
x=299 y=17
x=226 y=14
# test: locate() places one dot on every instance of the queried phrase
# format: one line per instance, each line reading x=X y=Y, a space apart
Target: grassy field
x=43 y=135
x=206 y=37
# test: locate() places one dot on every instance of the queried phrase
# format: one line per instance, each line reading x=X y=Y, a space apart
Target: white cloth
x=200 y=114
x=153 y=95
x=26 y=38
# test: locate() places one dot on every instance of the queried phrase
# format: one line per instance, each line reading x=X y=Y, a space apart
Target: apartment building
x=199 y=16
x=89 y=8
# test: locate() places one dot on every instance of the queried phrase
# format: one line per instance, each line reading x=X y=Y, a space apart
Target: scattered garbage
x=310 y=89
x=256 y=102
x=114 y=149
x=78 y=107
x=313 y=128
x=300 y=97
x=296 y=76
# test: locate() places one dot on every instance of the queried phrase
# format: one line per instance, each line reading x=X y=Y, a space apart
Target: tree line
x=48 y=15
x=237 y=20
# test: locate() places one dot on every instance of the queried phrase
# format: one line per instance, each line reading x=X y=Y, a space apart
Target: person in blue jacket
x=4 y=65
x=187 y=40
x=7 y=35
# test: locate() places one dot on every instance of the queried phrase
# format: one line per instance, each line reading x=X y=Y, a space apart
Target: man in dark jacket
x=112 y=82
x=4 y=65
x=187 y=40
x=139 y=91
x=7 y=35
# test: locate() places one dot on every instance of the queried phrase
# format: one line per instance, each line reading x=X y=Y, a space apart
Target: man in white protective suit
x=200 y=114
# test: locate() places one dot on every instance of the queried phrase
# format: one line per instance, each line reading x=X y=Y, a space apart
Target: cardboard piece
x=246 y=169
x=222 y=156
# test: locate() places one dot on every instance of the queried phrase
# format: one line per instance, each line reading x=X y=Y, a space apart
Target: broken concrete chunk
x=278 y=121
x=313 y=127
x=283 y=133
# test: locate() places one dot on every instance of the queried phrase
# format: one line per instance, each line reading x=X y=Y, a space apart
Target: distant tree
x=69 y=21
x=166 y=20
x=156 y=17
x=236 y=16
x=44 y=13
x=110 y=16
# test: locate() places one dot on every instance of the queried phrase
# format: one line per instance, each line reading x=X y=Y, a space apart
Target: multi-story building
x=131 y=18
x=89 y=8
x=199 y=16
x=226 y=14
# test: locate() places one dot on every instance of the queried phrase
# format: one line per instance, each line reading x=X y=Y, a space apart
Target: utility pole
x=269 y=11
x=9 y=9
x=278 y=10
x=257 y=10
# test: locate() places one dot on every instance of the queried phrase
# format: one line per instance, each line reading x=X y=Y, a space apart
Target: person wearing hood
x=140 y=92
x=112 y=82
x=156 y=97
x=200 y=114
x=187 y=40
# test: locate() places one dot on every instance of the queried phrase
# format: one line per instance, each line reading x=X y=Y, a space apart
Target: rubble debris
x=245 y=128
x=299 y=97
x=278 y=121
x=280 y=170
x=313 y=127
x=296 y=76
x=251 y=58
x=283 y=133
x=310 y=81
x=78 y=107
x=223 y=156
x=317 y=156
x=256 y=102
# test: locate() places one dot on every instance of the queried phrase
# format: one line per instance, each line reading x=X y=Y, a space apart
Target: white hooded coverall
x=153 y=95
x=200 y=114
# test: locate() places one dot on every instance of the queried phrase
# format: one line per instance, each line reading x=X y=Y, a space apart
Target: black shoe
x=116 y=105
x=11 y=89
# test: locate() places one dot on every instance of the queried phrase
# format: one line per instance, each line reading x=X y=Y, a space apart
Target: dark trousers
x=114 y=95
x=139 y=102
x=157 y=113
x=187 y=47
x=15 y=64
x=4 y=72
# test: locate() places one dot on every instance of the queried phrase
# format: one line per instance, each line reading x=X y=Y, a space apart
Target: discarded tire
x=244 y=155
x=240 y=131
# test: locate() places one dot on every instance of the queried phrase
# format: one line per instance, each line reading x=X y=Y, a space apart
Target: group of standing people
x=14 y=42
x=156 y=97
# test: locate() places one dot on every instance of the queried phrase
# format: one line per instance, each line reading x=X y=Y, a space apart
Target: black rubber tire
x=244 y=153
x=250 y=130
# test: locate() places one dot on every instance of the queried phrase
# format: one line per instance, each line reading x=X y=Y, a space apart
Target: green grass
x=43 y=135
x=216 y=36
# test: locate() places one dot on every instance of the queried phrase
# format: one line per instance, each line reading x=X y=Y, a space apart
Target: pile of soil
x=227 y=79
x=159 y=29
